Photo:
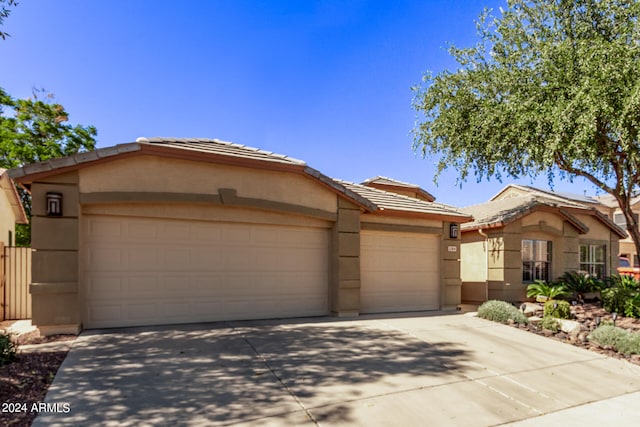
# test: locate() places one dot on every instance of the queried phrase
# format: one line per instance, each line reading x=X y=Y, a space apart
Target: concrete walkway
x=445 y=370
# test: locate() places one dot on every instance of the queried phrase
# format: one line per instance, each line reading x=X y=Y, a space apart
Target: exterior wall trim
x=226 y=196
x=400 y=228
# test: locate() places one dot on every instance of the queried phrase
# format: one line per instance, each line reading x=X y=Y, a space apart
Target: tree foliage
x=551 y=85
x=4 y=13
x=35 y=130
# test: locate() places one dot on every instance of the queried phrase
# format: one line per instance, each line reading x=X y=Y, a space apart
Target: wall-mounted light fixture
x=453 y=231
x=54 y=204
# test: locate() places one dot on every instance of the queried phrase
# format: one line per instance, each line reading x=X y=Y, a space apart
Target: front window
x=592 y=260
x=536 y=260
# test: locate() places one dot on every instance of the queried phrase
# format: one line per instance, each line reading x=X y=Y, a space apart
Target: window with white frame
x=593 y=259
x=536 y=260
x=621 y=221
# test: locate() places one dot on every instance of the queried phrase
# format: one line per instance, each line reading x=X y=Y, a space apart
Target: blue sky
x=327 y=82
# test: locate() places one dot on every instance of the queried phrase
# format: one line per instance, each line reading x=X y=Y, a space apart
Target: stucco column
x=451 y=289
x=345 y=260
x=54 y=270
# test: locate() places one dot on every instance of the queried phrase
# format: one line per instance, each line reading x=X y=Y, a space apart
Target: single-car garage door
x=399 y=271
x=142 y=271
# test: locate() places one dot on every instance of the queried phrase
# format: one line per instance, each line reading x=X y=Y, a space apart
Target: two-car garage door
x=142 y=271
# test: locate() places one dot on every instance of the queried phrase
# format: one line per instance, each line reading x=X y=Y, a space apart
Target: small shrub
x=615 y=299
x=7 y=349
x=621 y=340
x=550 y=324
x=501 y=311
x=541 y=289
x=558 y=309
x=632 y=306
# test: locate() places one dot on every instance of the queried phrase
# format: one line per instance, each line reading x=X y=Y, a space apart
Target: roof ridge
x=214 y=141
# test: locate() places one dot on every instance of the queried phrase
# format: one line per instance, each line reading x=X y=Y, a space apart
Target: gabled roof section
x=500 y=212
x=609 y=201
x=196 y=149
x=7 y=186
x=390 y=203
x=560 y=196
x=393 y=185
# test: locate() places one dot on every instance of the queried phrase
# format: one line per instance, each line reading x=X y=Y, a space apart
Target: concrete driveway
x=438 y=370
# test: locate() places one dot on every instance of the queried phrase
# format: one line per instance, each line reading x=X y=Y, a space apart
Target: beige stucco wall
x=7 y=219
x=157 y=174
x=202 y=212
x=419 y=222
x=473 y=267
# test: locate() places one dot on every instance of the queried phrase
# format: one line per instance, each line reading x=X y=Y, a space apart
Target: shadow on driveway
x=241 y=372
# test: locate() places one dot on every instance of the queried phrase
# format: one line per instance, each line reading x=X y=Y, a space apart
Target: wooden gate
x=16 y=277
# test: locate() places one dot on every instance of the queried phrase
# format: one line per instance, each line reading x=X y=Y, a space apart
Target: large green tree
x=35 y=130
x=551 y=87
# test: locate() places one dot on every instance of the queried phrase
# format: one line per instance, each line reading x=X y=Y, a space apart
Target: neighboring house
x=11 y=210
x=165 y=231
x=606 y=204
x=520 y=236
x=609 y=206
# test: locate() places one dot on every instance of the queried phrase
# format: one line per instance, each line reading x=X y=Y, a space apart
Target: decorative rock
x=530 y=308
x=570 y=327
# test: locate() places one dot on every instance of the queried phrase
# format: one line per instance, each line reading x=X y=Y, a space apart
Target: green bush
x=550 y=324
x=580 y=283
x=621 y=296
x=7 y=349
x=500 y=311
x=558 y=309
x=632 y=306
x=621 y=340
x=622 y=281
x=541 y=288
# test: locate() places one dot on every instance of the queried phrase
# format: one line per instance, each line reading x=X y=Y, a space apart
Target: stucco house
x=521 y=236
x=605 y=203
x=11 y=210
x=166 y=230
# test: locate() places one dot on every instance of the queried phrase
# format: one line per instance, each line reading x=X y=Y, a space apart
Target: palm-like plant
x=540 y=288
x=580 y=283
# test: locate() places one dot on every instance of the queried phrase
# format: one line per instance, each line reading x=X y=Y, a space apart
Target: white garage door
x=399 y=272
x=140 y=271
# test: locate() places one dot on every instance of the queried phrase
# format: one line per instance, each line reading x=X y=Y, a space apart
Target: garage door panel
x=400 y=272
x=154 y=271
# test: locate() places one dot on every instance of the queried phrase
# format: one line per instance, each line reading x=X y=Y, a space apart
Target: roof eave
x=460 y=219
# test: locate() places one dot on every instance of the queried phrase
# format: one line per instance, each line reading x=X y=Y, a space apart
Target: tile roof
x=389 y=181
x=497 y=213
x=369 y=198
x=389 y=201
x=560 y=195
x=383 y=181
x=216 y=146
